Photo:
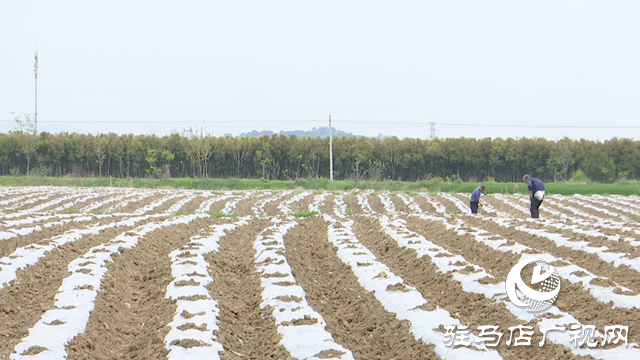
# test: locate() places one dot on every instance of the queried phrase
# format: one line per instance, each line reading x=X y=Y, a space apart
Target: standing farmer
x=536 y=194
x=475 y=198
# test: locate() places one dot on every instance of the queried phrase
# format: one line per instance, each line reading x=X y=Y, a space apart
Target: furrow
x=191 y=336
x=302 y=329
x=246 y=330
x=318 y=202
x=398 y=298
x=588 y=297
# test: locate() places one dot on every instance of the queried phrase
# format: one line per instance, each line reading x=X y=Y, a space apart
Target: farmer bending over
x=475 y=198
x=536 y=194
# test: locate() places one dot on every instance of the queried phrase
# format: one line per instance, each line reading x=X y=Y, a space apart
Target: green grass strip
x=628 y=187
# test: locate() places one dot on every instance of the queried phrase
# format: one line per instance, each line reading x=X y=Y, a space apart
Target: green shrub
x=579 y=177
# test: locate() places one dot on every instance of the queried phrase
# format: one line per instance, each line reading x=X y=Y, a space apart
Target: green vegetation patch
x=304 y=214
x=219 y=215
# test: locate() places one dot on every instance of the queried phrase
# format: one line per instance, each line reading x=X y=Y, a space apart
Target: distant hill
x=315 y=132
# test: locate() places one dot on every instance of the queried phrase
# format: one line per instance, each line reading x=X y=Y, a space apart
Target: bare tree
x=199 y=153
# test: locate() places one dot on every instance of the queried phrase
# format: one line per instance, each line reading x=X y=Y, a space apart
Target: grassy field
x=621 y=188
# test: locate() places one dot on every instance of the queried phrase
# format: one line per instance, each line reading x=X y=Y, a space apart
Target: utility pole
x=204 y=144
x=330 y=149
x=35 y=72
x=433 y=130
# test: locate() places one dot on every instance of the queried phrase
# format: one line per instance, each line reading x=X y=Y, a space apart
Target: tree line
x=25 y=152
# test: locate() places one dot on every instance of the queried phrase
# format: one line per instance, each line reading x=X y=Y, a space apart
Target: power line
x=235 y=123
x=395 y=123
x=544 y=126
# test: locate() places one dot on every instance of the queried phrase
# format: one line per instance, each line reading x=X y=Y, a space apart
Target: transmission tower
x=433 y=130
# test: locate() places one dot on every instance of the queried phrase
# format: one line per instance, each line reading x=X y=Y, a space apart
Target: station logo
x=545 y=290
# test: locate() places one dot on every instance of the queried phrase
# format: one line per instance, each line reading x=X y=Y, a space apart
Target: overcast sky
x=155 y=65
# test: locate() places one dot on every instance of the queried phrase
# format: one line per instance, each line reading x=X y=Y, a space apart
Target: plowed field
x=178 y=274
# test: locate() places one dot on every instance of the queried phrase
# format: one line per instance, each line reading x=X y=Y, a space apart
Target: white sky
x=244 y=65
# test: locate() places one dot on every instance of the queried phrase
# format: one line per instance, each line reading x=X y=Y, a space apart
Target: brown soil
x=217 y=206
x=612 y=232
x=376 y=203
x=572 y=299
x=38 y=221
x=66 y=202
x=465 y=199
x=327 y=207
x=131 y=312
x=140 y=204
x=246 y=330
x=362 y=326
x=23 y=302
x=51 y=197
x=583 y=209
x=166 y=205
x=425 y=205
x=442 y=290
x=545 y=214
x=400 y=205
x=106 y=206
x=81 y=204
x=451 y=207
x=352 y=204
x=244 y=207
x=623 y=275
x=193 y=205
x=303 y=205
x=615 y=246
x=271 y=208
x=15 y=196
x=512 y=211
x=7 y=247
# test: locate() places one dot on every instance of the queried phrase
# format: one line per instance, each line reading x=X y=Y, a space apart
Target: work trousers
x=535 y=207
x=474 y=207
